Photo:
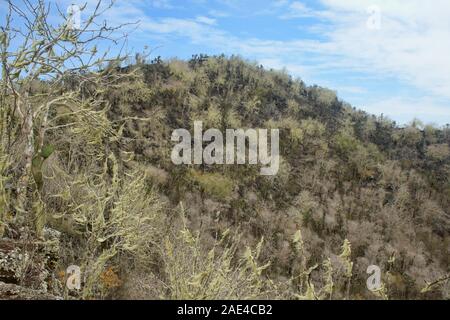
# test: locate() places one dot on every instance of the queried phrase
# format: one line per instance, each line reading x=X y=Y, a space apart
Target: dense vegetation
x=101 y=192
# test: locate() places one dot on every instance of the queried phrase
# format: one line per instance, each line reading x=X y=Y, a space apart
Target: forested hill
x=353 y=190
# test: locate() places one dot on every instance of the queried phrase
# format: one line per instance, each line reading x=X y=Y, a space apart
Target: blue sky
x=382 y=56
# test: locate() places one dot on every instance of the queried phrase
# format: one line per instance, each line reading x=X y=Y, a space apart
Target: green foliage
x=47 y=151
x=214 y=184
x=346 y=144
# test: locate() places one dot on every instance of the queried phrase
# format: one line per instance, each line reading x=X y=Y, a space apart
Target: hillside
x=352 y=188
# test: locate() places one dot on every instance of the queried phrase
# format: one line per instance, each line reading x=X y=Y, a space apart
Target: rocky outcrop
x=27 y=267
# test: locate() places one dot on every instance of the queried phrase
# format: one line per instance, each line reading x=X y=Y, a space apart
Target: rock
x=30 y=263
x=10 y=291
x=11 y=262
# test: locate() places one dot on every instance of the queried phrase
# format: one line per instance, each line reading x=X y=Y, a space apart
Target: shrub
x=438 y=152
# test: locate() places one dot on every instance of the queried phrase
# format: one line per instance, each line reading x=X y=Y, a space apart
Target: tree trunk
x=25 y=169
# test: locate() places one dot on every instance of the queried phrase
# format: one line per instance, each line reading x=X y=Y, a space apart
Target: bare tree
x=34 y=51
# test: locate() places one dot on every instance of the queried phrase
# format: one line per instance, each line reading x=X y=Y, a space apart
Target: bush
x=214 y=184
x=195 y=272
x=438 y=152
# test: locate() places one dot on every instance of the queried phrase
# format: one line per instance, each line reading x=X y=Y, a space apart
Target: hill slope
x=345 y=174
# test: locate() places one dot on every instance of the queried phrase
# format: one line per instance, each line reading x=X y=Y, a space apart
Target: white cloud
x=218 y=13
x=405 y=109
x=412 y=44
x=278 y=64
x=162 y=4
x=297 y=10
x=280 y=3
x=206 y=20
